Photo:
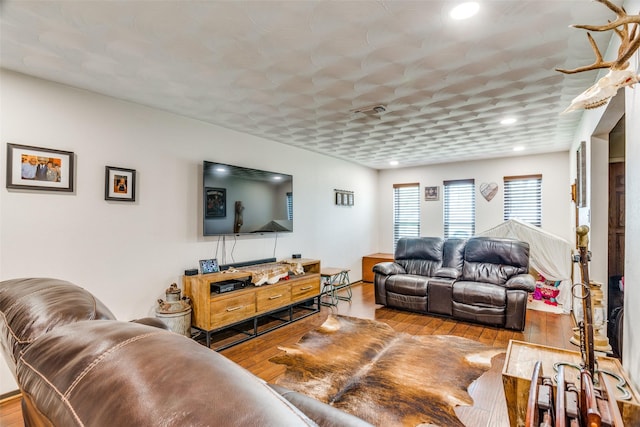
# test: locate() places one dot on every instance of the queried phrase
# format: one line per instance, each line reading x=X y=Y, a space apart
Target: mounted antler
x=630 y=40
x=620 y=73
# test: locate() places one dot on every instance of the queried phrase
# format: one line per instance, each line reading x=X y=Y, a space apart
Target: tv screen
x=239 y=200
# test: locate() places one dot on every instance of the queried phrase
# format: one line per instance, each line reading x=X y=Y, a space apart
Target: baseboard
x=12 y=395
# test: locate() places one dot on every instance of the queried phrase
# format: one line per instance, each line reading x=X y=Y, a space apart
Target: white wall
x=599 y=210
x=127 y=254
x=631 y=338
x=556 y=191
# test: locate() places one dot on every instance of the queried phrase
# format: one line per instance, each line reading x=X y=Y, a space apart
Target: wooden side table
x=369 y=261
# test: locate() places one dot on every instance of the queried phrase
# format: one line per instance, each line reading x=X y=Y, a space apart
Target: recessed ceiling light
x=508 y=121
x=393 y=163
x=464 y=10
x=518 y=148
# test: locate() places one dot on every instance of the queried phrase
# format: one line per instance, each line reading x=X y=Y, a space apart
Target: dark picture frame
x=581 y=172
x=344 y=197
x=38 y=168
x=215 y=202
x=119 y=184
x=432 y=193
x=209 y=266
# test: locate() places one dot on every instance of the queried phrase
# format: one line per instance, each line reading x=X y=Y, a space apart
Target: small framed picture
x=431 y=193
x=35 y=168
x=343 y=197
x=215 y=202
x=119 y=184
x=209 y=266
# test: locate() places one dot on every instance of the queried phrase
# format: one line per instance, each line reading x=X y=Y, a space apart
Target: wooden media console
x=238 y=315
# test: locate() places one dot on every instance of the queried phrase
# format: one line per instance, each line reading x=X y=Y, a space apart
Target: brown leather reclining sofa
x=78 y=366
x=480 y=279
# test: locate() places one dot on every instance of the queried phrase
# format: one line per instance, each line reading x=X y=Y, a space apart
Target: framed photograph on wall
x=36 y=168
x=581 y=179
x=431 y=193
x=343 y=197
x=215 y=202
x=119 y=184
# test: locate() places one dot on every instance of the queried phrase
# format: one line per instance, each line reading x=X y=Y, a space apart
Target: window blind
x=406 y=211
x=459 y=208
x=523 y=198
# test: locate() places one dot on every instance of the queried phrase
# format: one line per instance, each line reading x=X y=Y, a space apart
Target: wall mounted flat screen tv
x=239 y=200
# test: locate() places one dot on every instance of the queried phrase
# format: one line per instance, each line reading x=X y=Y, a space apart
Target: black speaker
x=191 y=272
x=296 y=256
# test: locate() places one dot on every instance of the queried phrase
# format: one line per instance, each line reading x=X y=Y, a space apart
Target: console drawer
x=305 y=289
x=272 y=297
x=225 y=311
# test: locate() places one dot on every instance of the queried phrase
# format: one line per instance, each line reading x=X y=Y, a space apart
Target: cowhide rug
x=387 y=378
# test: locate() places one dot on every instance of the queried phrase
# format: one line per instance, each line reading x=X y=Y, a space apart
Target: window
x=459 y=208
x=406 y=211
x=523 y=198
x=290 y=206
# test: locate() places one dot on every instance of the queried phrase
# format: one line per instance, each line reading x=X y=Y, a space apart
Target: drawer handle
x=306 y=288
x=275 y=296
x=234 y=308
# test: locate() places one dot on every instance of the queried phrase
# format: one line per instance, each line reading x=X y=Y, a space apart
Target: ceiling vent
x=371 y=110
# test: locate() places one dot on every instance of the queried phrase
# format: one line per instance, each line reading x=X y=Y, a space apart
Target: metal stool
x=334 y=279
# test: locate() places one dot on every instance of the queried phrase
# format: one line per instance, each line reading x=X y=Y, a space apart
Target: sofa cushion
x=420 y=255
x=480 y=294
x=30 y=308
x=453 y=253
x=111 y=373
x=487 y=273
x=407 y=284
x=493 y=260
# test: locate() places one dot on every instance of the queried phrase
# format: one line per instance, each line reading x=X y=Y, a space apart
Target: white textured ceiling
x=293 y=71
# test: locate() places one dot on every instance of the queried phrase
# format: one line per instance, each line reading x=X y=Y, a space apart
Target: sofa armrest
x=524 y=282
x=448 y=272
x=388 y=268
x=321 y=413
x=152 y=321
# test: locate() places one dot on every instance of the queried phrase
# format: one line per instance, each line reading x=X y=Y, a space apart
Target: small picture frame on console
x=209 y=266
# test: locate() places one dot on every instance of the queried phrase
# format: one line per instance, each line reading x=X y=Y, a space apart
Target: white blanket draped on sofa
x=549 y=254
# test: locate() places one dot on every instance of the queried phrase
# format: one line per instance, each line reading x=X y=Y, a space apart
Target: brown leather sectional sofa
x=78 y=366
x=480 y=279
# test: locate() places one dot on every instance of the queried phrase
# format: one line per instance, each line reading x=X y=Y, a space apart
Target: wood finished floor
x=489 y=408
